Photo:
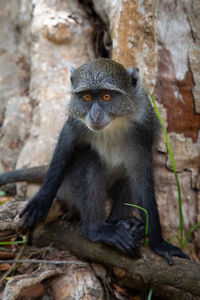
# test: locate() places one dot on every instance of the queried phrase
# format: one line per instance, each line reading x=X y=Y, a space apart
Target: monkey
x=105 y=150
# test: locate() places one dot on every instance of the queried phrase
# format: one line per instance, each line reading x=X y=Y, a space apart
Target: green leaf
x=150 y=293
x=5 y=249
x=2 y=194
x=13 y=243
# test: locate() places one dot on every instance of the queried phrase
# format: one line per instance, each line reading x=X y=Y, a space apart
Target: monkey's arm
x=37 y=208
x=35 y=175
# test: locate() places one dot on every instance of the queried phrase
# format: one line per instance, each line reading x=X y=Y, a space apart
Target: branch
x=184 y=274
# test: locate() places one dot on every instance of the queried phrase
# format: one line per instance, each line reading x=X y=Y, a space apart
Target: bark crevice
x=101 y=38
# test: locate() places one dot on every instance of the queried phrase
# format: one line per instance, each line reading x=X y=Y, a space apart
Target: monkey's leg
x=121 y=194
x=142 y=185
x=87 y=178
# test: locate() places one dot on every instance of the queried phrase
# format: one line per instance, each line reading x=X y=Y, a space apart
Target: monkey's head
x=103 y=90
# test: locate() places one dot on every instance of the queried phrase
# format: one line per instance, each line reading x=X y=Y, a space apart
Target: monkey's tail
x=34 y=175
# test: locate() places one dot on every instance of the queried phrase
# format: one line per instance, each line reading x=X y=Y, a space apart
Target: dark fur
x=106 y=149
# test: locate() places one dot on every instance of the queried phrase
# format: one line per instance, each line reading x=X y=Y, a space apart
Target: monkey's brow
x=96 y=91
x=110 y=88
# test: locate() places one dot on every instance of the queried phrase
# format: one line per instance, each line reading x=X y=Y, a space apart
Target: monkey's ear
x=72 y=70
x=134 y=73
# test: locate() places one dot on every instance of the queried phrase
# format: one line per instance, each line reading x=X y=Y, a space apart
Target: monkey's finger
x=135 y=223
x=23 y=224
x=133 y=250
x=169 y=258
x=126 y=249
x=119 y=241
x=33 y=220
x=121 y=247
x=124 y=245
x=130 y=243
x=175 y=251
x=113 y=242
x=136 y=251
x=140 y=234
x=24 y=209
x=130 y=246
x=166 y=254
x=181 y=254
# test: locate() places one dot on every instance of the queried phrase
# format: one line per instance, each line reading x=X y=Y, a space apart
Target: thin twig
x=43 y=261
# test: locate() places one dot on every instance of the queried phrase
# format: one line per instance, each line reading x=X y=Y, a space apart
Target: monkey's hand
x=167 y=250
x=119 y=235
x=34 y=212
x=136 y=227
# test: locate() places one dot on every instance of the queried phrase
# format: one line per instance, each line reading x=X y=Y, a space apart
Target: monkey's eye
x=87 y=97
x=106 y=97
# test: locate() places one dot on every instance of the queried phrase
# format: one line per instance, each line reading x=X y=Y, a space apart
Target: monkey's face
x=102 y=91
x=96 y=108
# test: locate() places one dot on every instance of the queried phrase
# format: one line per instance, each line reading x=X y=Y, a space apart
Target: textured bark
x=183 y=275
x=40 y=40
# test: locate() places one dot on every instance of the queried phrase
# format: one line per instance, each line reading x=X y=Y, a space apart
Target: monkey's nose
x=96 y=114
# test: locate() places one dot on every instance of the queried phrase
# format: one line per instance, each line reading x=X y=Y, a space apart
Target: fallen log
x=184 y=274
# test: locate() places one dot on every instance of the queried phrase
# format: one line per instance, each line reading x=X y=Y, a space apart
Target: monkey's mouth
x=98 y=127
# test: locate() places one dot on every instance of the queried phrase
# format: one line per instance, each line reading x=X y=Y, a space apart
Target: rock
x=32 y=292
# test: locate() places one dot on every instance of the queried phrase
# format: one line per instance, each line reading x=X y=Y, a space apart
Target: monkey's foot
x=117 y=235
x=33 y=213
x=167 y=250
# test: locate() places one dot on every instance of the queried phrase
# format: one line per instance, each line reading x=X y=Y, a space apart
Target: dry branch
x=184 y=275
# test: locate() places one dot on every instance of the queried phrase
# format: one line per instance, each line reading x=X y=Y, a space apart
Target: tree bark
x=184 y=274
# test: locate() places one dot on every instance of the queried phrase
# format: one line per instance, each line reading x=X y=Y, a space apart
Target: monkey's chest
x=110 y=150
